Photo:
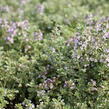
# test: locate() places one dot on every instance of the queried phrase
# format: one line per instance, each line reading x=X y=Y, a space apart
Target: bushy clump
x=55 y=55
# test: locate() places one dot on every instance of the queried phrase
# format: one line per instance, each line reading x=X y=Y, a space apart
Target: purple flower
x=10 y=30
x=4 y=8
x=49 y=81
x=98 y=27
x=10 y=39
x=40 y=8
x=65 y=84
x=106 y=35
x=75 y=40
x=107 y=50
x=23 y=25
x=75 y=43
x=38 y=35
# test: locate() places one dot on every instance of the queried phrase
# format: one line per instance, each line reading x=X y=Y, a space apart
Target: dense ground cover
x=54 y=54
